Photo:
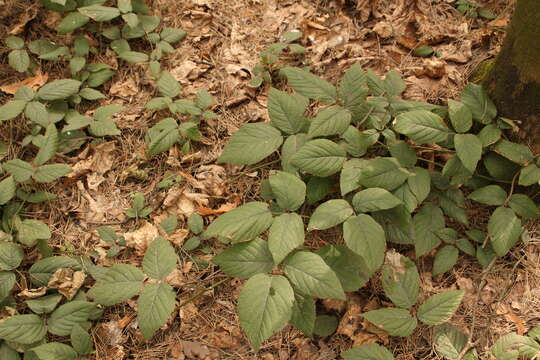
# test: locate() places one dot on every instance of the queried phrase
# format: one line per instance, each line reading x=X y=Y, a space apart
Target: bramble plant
x=365 y=139
x=269 y=58
x=473 y=10
x=53 y=115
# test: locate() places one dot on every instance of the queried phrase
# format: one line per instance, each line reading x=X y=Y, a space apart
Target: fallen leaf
x=125 y=88
x=204 y=211
x=101 y=160
x=67 y=281
x=142 y=237
x=34 y=82
x=33 y=293
x=509 y=315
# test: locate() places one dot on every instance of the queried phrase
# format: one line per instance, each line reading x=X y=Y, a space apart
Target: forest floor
x=222 y=46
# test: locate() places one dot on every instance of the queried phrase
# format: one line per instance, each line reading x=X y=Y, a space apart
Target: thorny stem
x=200 y=293
x=470 y=343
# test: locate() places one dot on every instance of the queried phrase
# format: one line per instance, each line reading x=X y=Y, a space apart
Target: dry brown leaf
x=509 y=315
x=503 y=22
x=204 y=211
x=34 y=83
x=125 y=88
x=33 y=293
x=101 y=160
x=67 y=281
x=175 y=278
x=142 y=237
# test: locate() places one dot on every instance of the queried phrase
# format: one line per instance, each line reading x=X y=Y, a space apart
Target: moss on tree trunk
x=514 y=81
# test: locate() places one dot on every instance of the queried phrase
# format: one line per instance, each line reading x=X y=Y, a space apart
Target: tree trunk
x=514 y=80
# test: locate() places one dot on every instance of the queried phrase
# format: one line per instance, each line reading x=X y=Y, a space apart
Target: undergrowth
x=404 y=171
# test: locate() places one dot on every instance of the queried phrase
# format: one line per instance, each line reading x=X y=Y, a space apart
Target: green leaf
x=329 y=214
x=489 y=135
x=309 y=85
x=427 y=222
x=170 y=223
x=264 y=306
x=91 y=94
x=24 y=93
x=120 y=283
x=445 y=259
x=318 y=188
x=59 y=89
x=350 y=175
x=285 y=235
x=29 y=231
x=12 y=109
x=163 y=136
x=172 y=35
x=68 y=315
x=168 y=85
x=524 y=206
x=55 y=351
x=466 y=246
x=374 y=199
x=512 y=346
x=20 y=170
x=368 y=352
x=100 y=13
x=107 y=234
x=400 y=280
x=393 y=84
x=133 y=57
x=71 y=22
x=196 y=223
x=481 y=106
x=358 y=142
x=529 y=175
x=155 y=305
x=332 y=120
x=19 y=60
x=49 y=146
x=460 y=116
x=419 y=183
x=384 y=173
x=353 y=87
x=44 y=304
x=50 y=173
x=489 y=195
x=42 y=270
x=449 y=341
x=81 y=340
x=405 y=155
x=286 y=111
x=22 y=329
x=396 y=322
x=245 y=222
x=7 y=190
x=37 y=113
x=11 y=255
x=469 y=150
x=14 y=42
x=288 y=189
x=7 y=353
x=347 y=265
x=325 y=325
x=439 y=308
x=366 y=238
x=517 y=153
x=7 y=281
x=251 y=144
x=310 y=275
x=246 y=259
x=504 y=229
x=319 y=157
x=422 y=126
x=303 y=313
x=160 y=259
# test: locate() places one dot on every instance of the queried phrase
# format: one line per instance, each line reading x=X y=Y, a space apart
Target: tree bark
x=514 y=80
